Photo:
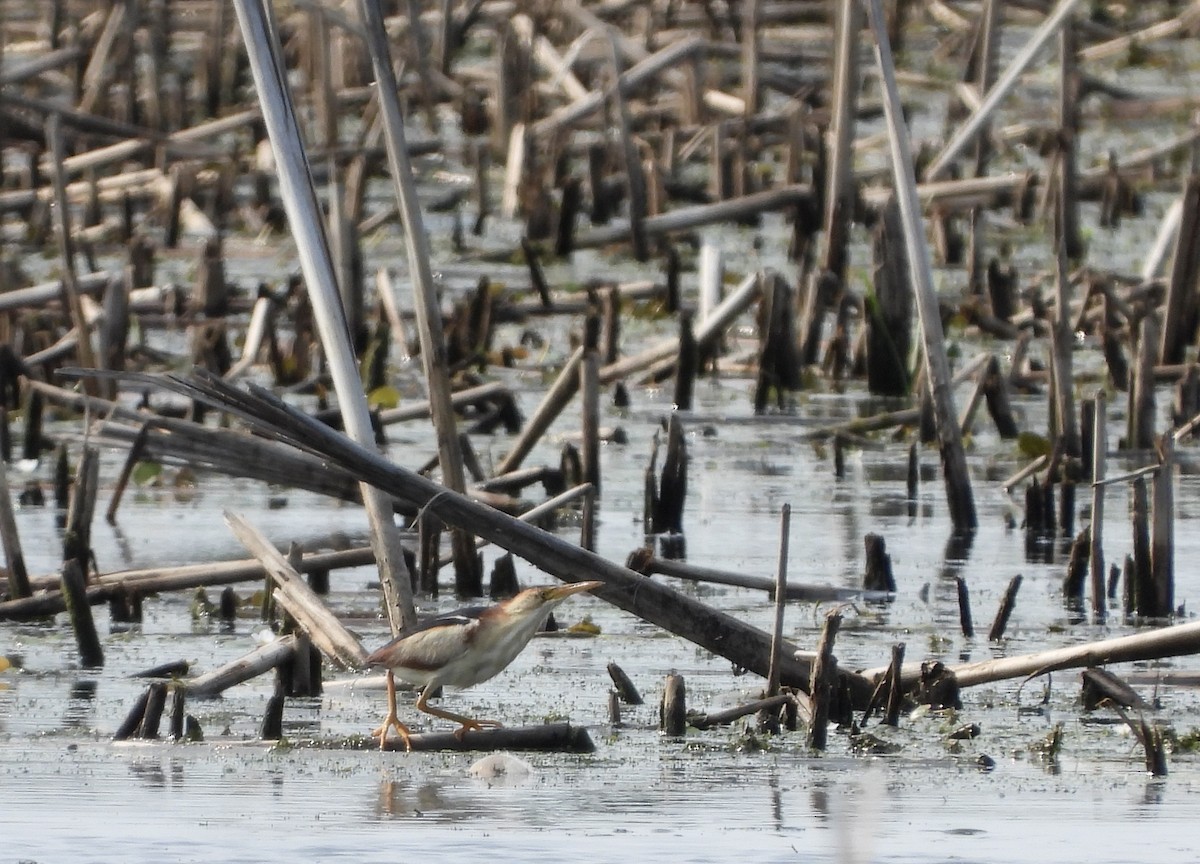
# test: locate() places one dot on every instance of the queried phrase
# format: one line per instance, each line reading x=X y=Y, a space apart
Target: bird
x=463 y=648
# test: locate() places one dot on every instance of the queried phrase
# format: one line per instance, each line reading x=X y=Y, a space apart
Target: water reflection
x=776 y=800
x=1153 y=794
x=124 y=550
x=819 y=793
x=81 y=704
x=955 y=557
x=153 y=775
x=397 y=800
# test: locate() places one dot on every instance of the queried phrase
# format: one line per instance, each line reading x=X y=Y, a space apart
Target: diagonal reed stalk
x=312 y=246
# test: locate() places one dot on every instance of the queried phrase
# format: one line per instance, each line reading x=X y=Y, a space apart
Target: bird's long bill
x=561 y=592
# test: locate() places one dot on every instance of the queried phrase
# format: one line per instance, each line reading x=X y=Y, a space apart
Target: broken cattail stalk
x=74 y=591
x=889 y=308
x=589 y=390
x=964 y=608
x=77 y=535
x=1101 y=685
x=258 y=661
x=644 y=562
x=156 y=701
x=133 y=720
x=823 y=683
x=294 y=595
x=1077 y=571
x=937 y=368
x=271 y=728
x=467 y=571
x=729 y=715
x=304 y=219
x=672 y=712
x=1095 y=530
x=625 y=689
x=840 y=188
x=1179 y=305
x=1172 y=641
x=1065 y=431
x=696 y=216
x=981 y=115
x=548 y=737
x=878 y=578
x=895 y=699
x=1140 y=434
x=1162 y=530
x=785 y=521
x=14 y=558
x=1007 y=604
x=551 y=406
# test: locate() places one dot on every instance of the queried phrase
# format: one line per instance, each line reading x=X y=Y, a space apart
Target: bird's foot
x=476 y=726
x=392 y=722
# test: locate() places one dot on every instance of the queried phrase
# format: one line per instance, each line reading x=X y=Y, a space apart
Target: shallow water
x=708 y=797
x=68 y=793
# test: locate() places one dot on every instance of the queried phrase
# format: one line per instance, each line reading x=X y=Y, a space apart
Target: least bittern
x=464 y=648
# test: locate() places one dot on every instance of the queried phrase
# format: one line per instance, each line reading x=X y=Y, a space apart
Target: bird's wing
x=430 y=644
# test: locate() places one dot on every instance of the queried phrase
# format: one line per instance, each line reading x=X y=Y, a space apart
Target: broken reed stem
x=785 y=522
x=672 y=712
x=937 y=368
x=564 y=387
x=895 y=699
x=304 y=219
x=589 y=390
x=981 y=115
x=1162 y=530
x=1095 y=531
x=840 y=189
x=823 y=683
x=18 y=576
x=1007 y=604
x=66 y=248
x=74 y=590
x=468 y=575
x=964 y=608
x=299 y=600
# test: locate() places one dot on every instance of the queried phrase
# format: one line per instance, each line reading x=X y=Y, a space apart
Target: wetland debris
x=1102 y=687
x=1171 y=641
x=780 y=703
x=548 y=737
x=294 y=595
x=644 y=561
x=672 y=709
x=745 y=645
x=74 y=593
x=823 y=689
x=623 y=686
x=543 y=136
x=1007 y=604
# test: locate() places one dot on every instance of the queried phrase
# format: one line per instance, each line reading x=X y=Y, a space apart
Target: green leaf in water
x=145 y=473
x=1033 y=445
x=384 y=398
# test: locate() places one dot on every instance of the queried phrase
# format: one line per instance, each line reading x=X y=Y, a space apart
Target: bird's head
x=544 y=598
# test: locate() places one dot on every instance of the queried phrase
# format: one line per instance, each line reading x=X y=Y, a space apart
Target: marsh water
x=67 y=792
x=70 y=792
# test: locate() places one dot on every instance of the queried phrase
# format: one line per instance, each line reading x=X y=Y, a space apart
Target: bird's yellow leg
x=467 y=722
x=391 y=721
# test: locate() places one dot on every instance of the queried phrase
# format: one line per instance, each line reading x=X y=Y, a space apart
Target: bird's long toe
x=476 y=726
x=392 y=722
